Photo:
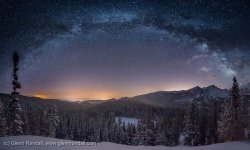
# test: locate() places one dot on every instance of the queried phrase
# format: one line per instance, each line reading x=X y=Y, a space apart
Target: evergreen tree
x=161 y=133
x=124 y=134
x=150 y=135
x=191 y=129
x=231 y=126
x=44 y=124
x=3 y=126
x=53 y=121
x=213 y=125
x=131 y=133
x=141 y=136
x=26 y=129
x=203 y=126
x=15 y=120
x=175 y=132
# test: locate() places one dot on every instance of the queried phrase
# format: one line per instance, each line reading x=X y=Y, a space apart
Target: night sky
x=110 y=49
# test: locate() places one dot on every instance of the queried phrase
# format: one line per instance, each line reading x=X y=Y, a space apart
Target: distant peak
x=195 y=88
x=212 y=86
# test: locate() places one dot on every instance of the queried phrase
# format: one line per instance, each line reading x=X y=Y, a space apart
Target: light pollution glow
x=79 y=94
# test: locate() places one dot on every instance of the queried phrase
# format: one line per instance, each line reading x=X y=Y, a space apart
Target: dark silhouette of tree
x=15 y=110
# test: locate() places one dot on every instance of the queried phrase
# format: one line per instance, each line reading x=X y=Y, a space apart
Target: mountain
x=245 y=89
x=161 y=98
x=245 y=86
x=175 y=98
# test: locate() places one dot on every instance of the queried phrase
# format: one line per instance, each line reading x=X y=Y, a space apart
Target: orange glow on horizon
x=78 y=93
x=43 y=96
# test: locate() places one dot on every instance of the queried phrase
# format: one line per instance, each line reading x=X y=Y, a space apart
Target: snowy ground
x=25 y=140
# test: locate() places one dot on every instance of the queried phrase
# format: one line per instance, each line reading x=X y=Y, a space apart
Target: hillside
x=179 y=98
x=158 y=99
x=21 y=140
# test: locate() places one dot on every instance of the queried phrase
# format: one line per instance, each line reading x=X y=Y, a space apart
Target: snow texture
x=111 y=146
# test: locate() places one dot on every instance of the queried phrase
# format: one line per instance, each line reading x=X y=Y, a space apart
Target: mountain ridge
x=159 y=98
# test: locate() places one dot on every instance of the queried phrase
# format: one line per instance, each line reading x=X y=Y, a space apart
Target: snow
x=181 y=139
x=108 y=146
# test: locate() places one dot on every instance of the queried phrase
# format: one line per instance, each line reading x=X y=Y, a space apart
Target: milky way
x=105 y=49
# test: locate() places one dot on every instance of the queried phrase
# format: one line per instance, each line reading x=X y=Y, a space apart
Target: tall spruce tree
x=191 y=129
x=231 y=123
x=15 y=110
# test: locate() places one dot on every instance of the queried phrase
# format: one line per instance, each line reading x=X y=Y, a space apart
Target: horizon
x=116 y=98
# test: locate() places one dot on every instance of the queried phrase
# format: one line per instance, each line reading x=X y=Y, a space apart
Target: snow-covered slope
x=177 y=98
x=107 y=146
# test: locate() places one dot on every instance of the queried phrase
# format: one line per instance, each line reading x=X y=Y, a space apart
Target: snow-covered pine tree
x=76 y=132
x=44 y=124
x=231 y=126
x=150 y=135
x=3 y=126
x=118 y=131
x=131 y=133
x=53 y=121
x=96 y=136
x=141 y=136
x=26 y=128
x=224 y=131
x=124 y=134
x=161 y=133
x=191 y=129
x=15 y=110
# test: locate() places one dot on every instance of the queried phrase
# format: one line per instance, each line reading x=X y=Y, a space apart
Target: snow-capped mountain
x=161 y=98
x=173 y=98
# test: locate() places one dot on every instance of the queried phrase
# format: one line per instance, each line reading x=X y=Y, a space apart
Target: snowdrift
x=35 y=143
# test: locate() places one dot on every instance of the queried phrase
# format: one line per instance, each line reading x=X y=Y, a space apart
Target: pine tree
x=203 y=126
x=231 y=126
x=3 y=126
x=53 y=121
x=15 y=120
x=213 y=125
x=119 y=131
x=224 y=128
x=124 y=134
x=175 y=132
x=191 y=129
x=26 y=129
x=141 y=136
x=44 y=124
x=161 y=133
x=150 y=136
x=131 y=133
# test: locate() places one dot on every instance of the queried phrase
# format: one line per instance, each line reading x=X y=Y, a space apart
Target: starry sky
x=101 y=49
